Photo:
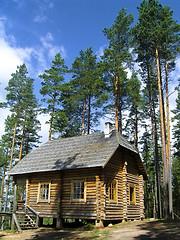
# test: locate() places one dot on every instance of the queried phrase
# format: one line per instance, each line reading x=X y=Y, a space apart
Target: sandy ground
x=146 y=229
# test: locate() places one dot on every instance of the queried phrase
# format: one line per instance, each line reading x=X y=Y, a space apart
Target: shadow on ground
x=135 y=230
x=161 y=229
x=50 y=234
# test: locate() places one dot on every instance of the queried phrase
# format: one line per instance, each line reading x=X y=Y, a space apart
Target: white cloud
x=100 y=52
x=47 y=42
x=175 y=75
x=8 y=61
x=40 y=18
x=12 y=56
x=41 y=12
x=3 y=113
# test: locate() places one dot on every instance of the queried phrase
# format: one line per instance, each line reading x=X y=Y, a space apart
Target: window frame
x=133 y=201
x=78 y=180
x=110 y=191
x=39 y=199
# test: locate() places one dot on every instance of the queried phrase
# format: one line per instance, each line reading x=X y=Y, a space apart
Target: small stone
x=110 y=225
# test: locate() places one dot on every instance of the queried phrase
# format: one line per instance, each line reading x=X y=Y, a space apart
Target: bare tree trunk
x=52 y=116
x=22 y=139
x=116 y=103
x=136 y=129
x=155 y=141
x=89 y=114
x=158 y=180
x=168 y=145
x=10 y=164
x=163 y=138
x=4 y=174
x=146 y=201
x=2 y=187
x=2 y=183
x=120 y=109
x=83 y=119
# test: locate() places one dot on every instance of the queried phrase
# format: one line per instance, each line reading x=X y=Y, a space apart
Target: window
x=113 y=191
x=44 y=192
x=132 y=195
x=78 y=190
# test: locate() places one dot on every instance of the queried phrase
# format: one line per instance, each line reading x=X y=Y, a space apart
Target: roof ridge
x=86 y=135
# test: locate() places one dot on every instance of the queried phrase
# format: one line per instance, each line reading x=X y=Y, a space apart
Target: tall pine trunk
x=83 y=118
x=3 y=178
x=10 y=163
x=136 y=128
x=89 y=114
x=120 y=109
x=52 y=116
x=2 y=186
x=168 y=144
x=163 y=138
x=22 y=139
x=116 y=103
x=155 y=141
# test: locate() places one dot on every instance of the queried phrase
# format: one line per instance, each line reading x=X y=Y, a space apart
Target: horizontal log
x=70 y=214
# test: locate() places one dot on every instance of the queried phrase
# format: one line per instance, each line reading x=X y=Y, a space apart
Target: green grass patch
x=95 y=234
x=47 y=221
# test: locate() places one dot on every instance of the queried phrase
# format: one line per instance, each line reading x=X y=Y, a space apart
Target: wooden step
x=25 y=221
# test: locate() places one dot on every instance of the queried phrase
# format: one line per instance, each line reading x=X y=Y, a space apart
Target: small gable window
x=132 y=194
x=113 y=191
x=78 y=190
x=44 y=192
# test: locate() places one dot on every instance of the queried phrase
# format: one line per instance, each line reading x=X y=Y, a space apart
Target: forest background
x=126 y=82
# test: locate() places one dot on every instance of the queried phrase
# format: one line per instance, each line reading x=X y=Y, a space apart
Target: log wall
x=92 y=207
x=61 y=204
x=45 y=208
x=133 y=209
x=123 y=168
x=113 y=171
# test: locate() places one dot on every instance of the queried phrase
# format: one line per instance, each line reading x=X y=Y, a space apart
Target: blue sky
x=33 y=31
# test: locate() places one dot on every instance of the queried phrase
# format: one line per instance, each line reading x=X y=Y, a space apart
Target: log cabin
x=94 y=177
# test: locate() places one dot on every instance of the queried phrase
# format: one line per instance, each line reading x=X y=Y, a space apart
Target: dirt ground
x=146 y=229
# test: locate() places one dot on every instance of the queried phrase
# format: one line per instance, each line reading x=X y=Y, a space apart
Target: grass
x=95 y=234
x=105 y=232
x=98 y=234
x=47 y=221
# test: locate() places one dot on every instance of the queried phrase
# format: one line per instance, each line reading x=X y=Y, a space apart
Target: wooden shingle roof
x=86 y=151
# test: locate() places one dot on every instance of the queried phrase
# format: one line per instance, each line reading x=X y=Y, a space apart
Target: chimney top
x=108 y=129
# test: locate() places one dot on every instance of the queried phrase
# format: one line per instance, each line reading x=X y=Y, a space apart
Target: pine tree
x=30 y=125
x=51 y=88
x=5 y=146
x=15 y=90
x=134 y=103
x=149 y=186
x=22 y=104
x=87 y=87
x=150 y=94
x=68 y=121
x=116 y=59
x=154 y=29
